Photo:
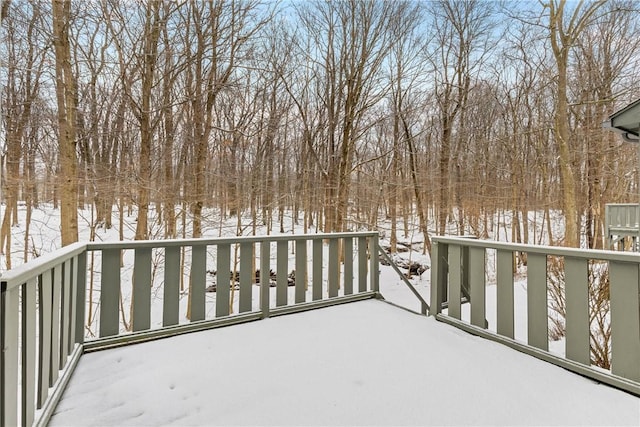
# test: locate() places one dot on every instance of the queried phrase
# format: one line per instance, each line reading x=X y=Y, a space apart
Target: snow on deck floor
x=364 y=363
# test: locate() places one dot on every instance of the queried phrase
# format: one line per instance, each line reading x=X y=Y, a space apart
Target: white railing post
x=171 y=286
x=282 y=263
x=348 y=266
x=607 y=226
x=504 y=277
x=625 y=319
x=537 y=311
x=455 y=281
x=577 y=310
x=334 y=270
x=477 y=286
x=362 y=264
x=316 y=284
x=301 y=270
x=375 y=263
x=245 y=276
x=80 y=281
x=223 y=279
x=141 y=289
x=28 y=360
x=265 y=277
x=439 y=273
x=197 y=282
x=109 y=293
x=9 y=356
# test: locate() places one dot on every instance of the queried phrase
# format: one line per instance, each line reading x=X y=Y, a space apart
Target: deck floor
x=364 y=363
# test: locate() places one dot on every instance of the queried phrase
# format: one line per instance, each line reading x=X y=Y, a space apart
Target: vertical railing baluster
x=504 y=299
x=455 y=280
x=348 y=265
x=301 y=271
x=537 y=315
x=282 y=265
x=265 y=277
x=439 y=275
x=317 y=270
x=223 y=279
x=246 y=265
x=198 y=280
x=363 y=267
x=9 y=324
x=577 y=310
x=625 y=320
x=171 y=294
x=141 y=320
x=65 y=313
x=73 y=309
x=80 y=279
x=334 y=269
x=477 y=287
x=435 y=296
x=607 y=216
x=109 y=293
x=374 y=263
x=28 y=351
x=55 y=325
x=464 y=285
x=45 y=297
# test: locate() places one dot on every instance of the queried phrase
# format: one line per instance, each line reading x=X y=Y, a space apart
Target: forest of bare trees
x=436 y=116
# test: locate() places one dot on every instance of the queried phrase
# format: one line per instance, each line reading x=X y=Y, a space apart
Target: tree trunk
x=66 y=98
x=150 y=44
x=563 y=34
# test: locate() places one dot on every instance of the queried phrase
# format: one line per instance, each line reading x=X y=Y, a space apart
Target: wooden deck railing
x=459 y=267
x=44 y=306
x=622 y=220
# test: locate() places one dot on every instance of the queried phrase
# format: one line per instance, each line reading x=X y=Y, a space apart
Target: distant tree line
x=345 y=113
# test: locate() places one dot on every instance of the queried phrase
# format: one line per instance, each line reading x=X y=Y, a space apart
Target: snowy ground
x=364 y=363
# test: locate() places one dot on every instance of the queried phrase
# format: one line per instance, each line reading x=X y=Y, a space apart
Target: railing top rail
x=35 y=267
x=622 y=204
x=139 y=244
x=22 y=273
x=548 y=250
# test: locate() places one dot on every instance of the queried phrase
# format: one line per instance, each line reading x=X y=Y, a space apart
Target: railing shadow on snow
x=43 y=314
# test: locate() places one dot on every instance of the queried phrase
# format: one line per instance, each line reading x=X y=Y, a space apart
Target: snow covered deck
x=362 y=363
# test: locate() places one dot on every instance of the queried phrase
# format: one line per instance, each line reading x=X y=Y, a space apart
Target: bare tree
x=604 y=54
x=406 y=75
x=352 y=40
x=563 y=34
x=4 y=9
x=462 y=41
x=66 y=97
x=136 y=34
x=220 y=34
x=25 y=56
